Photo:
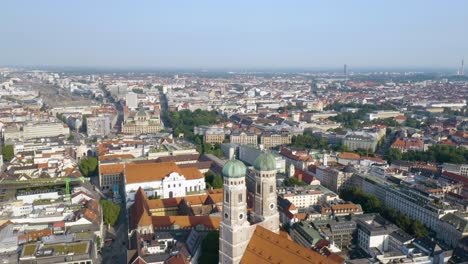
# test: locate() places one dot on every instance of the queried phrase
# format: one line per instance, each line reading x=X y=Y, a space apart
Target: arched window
x=258 y=188
x=226 y=196
x=240 y=197
x=271 y=188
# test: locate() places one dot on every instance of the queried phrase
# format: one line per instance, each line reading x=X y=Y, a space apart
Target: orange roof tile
x=145 y=172
x=177 y=259
x=164 y=203
x=90 y=215
x=35 y=235
x=216 y=197
x=344 y=206
x=186 y=221
x=139 y=211
x=268 y=247
x=349 y=155
x=111 y=169
x=192 y=173
x=196 y=199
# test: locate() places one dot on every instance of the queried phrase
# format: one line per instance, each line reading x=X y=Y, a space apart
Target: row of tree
x=184 y=121
x=8 y=153
x=111 y=212
x=435 y=153
x=309 y=141
x=292 y=181
x=88 y=166
x=207 y=148
x=213 y=180
x=371 y=204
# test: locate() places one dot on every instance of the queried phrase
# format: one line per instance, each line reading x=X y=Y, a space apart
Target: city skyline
x=212 y=35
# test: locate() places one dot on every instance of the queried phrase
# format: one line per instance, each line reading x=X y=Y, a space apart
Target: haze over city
x=233 y=132
x=235 y=35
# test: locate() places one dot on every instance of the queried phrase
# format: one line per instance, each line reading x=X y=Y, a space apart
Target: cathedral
x=255 y=237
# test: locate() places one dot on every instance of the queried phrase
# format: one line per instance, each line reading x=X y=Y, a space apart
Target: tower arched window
x=271 y=188
x=240 y=197
x=226 y=196
x=258 y=188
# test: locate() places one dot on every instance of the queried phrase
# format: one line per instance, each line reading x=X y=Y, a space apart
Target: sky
x=234 y=34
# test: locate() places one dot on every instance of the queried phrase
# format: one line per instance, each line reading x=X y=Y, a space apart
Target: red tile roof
x=268 y=247
x=145 y=172
x=140 y=215
x=186 y=221
x=349 y=155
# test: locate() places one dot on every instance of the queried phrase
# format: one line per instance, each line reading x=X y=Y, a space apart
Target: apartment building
x=243 y=138
x=98 y=126
x=374 y=232
x=269 y=140
x=299 y=158
x=360 y=140
x=413 y=203
x=408 y=144
x=213 y=137
x=44 y=130
x=333 y=178
x=382 y=114
x=303 y=198
x=452 y=228
x=110 y=176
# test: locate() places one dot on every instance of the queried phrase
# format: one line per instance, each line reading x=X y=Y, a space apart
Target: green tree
x=8 y=153
x=88 y=166
x=137 y=90
x=218 y=181
x=209 y=177
x=393 y=154
x=419 y=230
x=439 y=153
x=84 y=126
x=111 y=212
x=291 y=181
x=308 y=141
x=184 y=121
x=371 y=204
x=210 y=249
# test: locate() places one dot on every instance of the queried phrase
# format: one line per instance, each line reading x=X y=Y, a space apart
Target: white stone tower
x=234 y=229
x=265 y=192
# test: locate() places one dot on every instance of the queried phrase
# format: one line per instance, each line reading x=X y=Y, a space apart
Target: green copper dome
x=265 y=162
x=234 y=169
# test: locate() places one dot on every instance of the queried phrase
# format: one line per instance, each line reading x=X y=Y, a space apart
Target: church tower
x=265 y=208
x=234 y=228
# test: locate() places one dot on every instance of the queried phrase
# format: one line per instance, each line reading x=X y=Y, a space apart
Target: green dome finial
x=265 y=162
x=234 y=169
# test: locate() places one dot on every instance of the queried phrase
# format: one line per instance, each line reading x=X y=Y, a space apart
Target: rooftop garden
x=29 y=250
x=76 y=248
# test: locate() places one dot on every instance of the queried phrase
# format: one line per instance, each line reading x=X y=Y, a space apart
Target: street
x=116 y=252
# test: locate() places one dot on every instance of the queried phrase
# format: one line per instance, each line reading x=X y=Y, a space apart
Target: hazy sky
x=234 y=34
